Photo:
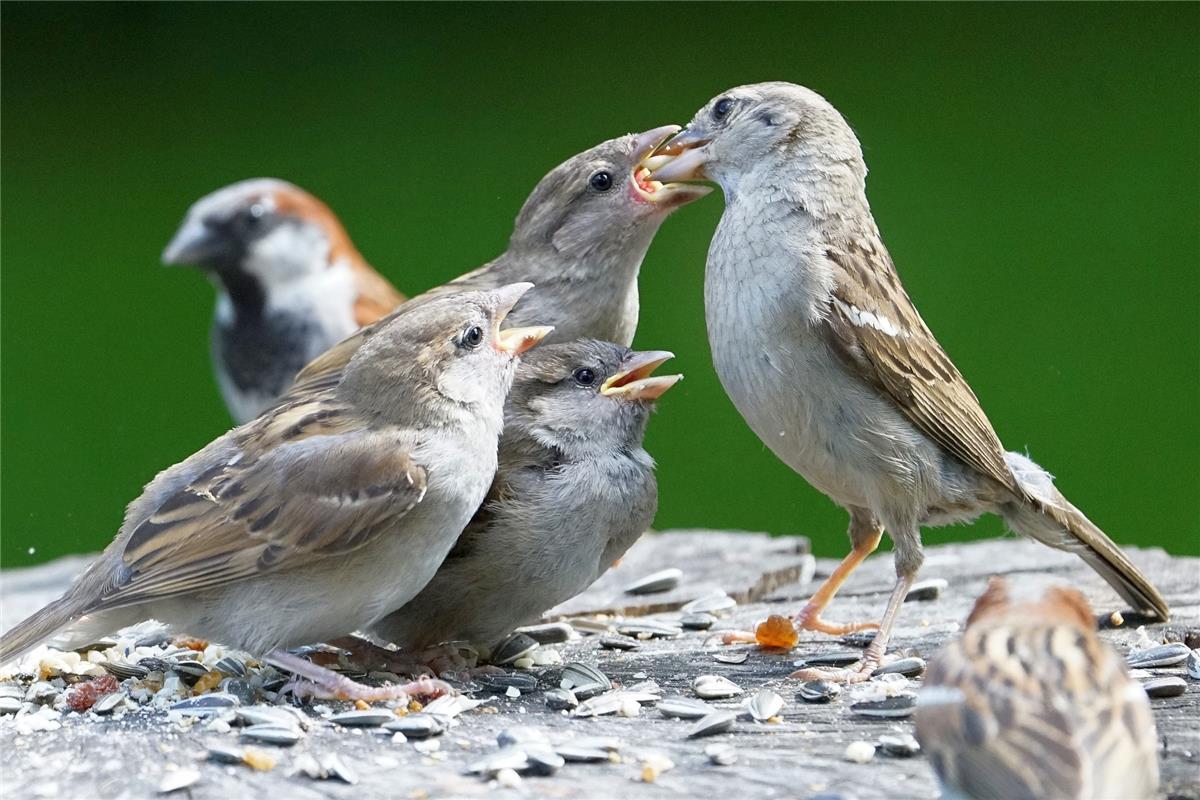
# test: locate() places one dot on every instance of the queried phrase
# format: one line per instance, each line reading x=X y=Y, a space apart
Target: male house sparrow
x=290 y=284
x=824 y=355
x=324 y=514
x=1031 y=704
x=574 y=489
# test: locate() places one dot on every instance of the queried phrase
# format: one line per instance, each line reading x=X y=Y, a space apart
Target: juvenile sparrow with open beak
x=824 y=355
x=1031 y=704
x=580 y=239
x=290 y=284
x=326 y=513
x=574 y=489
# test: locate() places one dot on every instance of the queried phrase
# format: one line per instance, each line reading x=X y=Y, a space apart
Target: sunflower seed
x=224 y=753
x=859 y=639
x=697 y=622
x=843 y=659
x=662 y=581
x=109 y=703
x=683 y=708
x=908 y=667
x=584 y=680
x=231 y=665
x=648 y=629
x=549 y=633
x=123 y=669
x=709 y=602
x=818 y=691
x=10 y=705
x=416 y=726
x=190 y=671
x=282 y=735
x=581 y=754
x=500 y=684
x=368 y=718
x=265 y=715
x=512 y=648
x=42 y=692
x=764 y=705
x=448 y=706
x=618 y=643
x=732 y=658
x=713 y=687
x=926 y=590
x=721 y=754
x=178 y=779
x=152 y=664
x=601 y=705
x=1166 y=686
x=1163 y=655
x=506 y=758
x=561 y=699
x=332 y=766
x=714 y=723
x=899 y=745
x=206 y=705
x=589 y=625
x=520 y=734
x=895 y=707
x=240 y=689
x=12 y=690
x=1193 y=665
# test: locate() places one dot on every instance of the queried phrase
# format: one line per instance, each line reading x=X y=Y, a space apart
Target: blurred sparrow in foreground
x=1032 y=705
x=580 y=239
x=290 y=284
x=573 y=491
x=324 y=514
x=826 y=358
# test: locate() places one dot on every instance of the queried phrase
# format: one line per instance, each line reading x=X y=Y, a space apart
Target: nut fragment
x=776 y=631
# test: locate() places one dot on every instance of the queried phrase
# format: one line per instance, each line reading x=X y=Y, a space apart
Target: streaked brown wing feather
x=909 y=366
x=315 y=487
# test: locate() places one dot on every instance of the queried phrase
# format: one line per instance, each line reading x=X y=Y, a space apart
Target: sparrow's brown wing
x=316 y=492
x=376 y=297
x=877 y=328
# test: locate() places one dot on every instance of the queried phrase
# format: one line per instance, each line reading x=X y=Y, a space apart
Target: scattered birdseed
x=713 y=687
x=717 y=722
x=859 y=752
x=1166 y=686
x=926 y=590
x=1163 y=655
x=776 y=632
x=721 y=754
x=84 y=695
x=662 y=581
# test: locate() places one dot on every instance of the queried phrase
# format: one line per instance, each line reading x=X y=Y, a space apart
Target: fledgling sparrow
x=324 y=514
x=580 y=239
x=573 y=490
x=290 y=284
x=1030 y=704
x=824 y=355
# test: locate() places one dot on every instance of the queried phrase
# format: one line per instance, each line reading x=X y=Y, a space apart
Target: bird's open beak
x=515 y=341
x=682 y=158
x=649 y=189
x=635 y=382
x=192 y=245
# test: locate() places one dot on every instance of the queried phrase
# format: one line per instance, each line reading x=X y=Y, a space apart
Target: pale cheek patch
x=867 y=319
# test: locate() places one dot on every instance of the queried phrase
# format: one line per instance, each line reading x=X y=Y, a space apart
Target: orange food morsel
x=776 y=631
x=85 y=694
x=191 y=643
x=207 y=682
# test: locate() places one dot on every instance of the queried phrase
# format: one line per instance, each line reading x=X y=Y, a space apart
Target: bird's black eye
x=722 y=107
x=601 y=181
x=472 y=336
x=584 y=376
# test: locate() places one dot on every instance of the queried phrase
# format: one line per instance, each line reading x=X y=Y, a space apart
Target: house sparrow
x=324 y=514
x=824 y=355
x=574 y=489
x=580 y=239
x=1032 y=704
x=290 y=284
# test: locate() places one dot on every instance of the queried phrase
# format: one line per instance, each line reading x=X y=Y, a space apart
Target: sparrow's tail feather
x=39 y=627
x=1052 y=520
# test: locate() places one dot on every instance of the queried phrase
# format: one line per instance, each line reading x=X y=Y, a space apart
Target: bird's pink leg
x=864 y=537
x=873 y=655
x=326 y=683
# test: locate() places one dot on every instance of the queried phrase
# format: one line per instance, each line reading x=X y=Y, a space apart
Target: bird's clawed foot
x=315 y=681
x=809 y=619
x=858 y=672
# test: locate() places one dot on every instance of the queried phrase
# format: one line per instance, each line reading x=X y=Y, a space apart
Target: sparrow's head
x=259 y=234
x=1056 y=605
x=755 y=132
x=601 y=200
x=586 y=396
x=440 y=361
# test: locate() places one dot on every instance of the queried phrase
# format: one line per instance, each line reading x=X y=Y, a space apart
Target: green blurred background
x=1035 y=171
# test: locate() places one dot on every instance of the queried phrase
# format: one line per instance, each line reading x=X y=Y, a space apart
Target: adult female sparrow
x=825 y=356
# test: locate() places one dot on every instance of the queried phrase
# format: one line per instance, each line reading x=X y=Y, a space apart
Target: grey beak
x=192 y=245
